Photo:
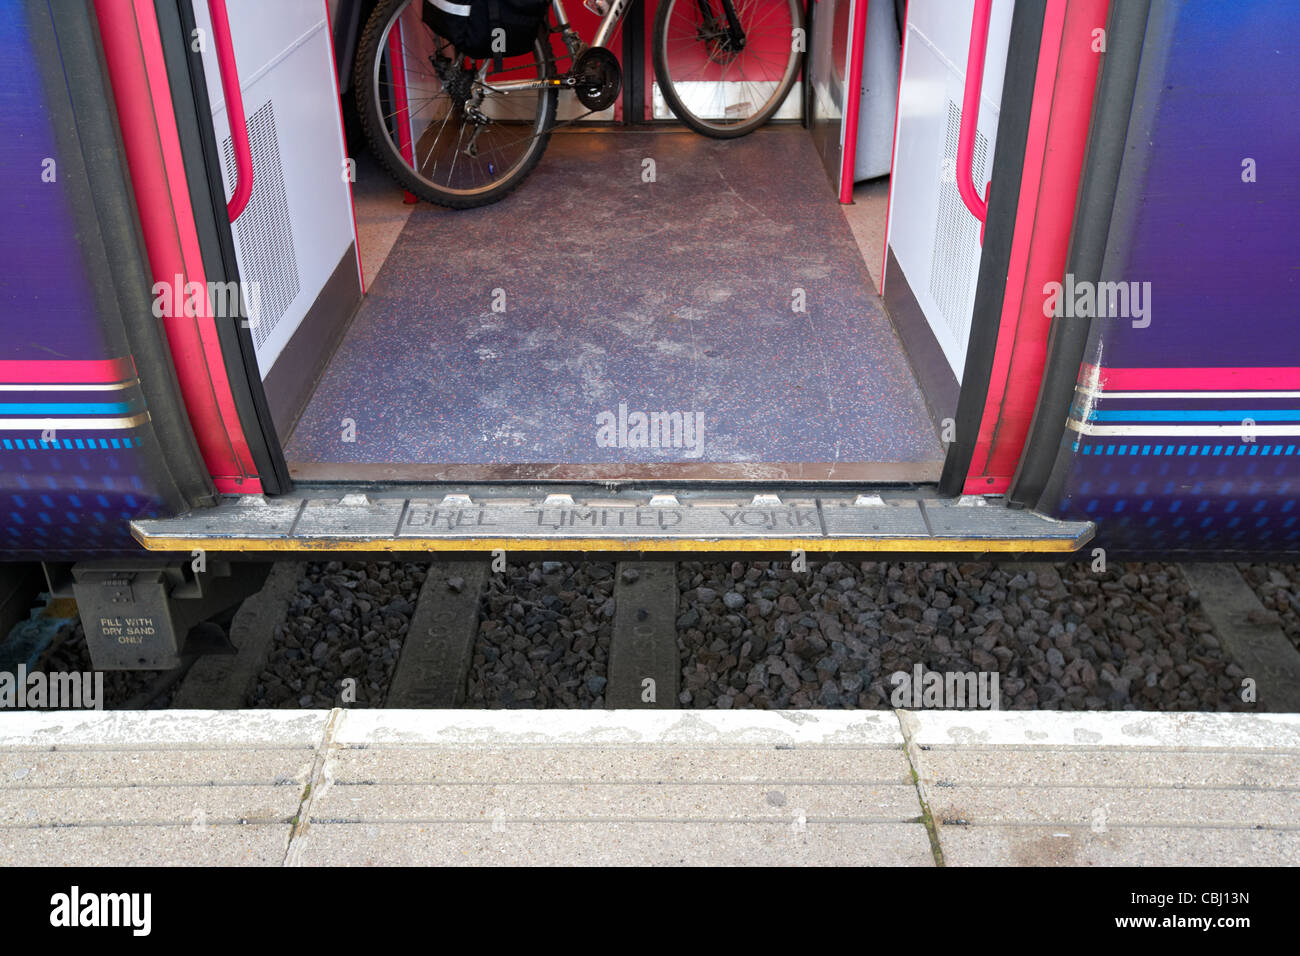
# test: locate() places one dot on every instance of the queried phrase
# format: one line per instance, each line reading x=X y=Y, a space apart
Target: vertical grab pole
x=234 y=108
x=852 y=99
x=970 y=113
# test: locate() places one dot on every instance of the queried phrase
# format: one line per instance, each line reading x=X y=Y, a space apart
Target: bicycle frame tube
x=608 y=24
x=613 y=17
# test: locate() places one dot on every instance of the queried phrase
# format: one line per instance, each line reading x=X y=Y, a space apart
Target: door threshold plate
x=489 y=519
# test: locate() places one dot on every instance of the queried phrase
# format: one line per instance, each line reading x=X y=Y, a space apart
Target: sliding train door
x=994 y=114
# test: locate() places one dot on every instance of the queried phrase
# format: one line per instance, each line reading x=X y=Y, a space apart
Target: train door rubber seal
x=1000 y=226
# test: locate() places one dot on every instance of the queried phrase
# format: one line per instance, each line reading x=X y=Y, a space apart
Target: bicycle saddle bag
x=472 y=25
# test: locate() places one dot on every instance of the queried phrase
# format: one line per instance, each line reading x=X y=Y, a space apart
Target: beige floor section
x=648 y=787
x=866 y=216
x=381 y=212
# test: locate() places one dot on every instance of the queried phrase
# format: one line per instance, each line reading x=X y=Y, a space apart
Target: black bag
x=470 y=25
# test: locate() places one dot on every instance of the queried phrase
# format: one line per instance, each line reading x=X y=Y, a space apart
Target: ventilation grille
x=952 y=267
x=267 y=263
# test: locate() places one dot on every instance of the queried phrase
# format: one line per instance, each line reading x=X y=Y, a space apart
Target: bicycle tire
x=678 y=107
x=370 y=113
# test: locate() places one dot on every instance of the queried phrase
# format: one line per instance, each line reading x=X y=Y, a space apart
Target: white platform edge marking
x=717 y=728
x=1106 y=729
x=178 y=729
x=209 y=729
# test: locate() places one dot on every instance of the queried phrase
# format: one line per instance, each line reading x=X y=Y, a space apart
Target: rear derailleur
x=465 y=88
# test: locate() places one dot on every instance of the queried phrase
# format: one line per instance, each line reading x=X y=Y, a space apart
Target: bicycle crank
x=598 y=78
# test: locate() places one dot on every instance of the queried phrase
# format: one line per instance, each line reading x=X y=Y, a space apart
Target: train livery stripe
x=72 y=424
x=1206 y=396
x=1244 y=431
x=1192 y=379
x=65 y=416
x=65 y=408
x=60 y=376
x=1194 y=415
x=1202 y=450
x=71 y=444
x=103 y=372
x=110 y=387
x=1185 y=384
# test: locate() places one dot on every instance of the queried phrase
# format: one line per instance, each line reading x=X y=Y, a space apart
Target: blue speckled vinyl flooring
x=668 y=296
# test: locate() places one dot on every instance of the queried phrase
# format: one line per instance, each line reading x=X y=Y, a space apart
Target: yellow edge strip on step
x=1059 y=545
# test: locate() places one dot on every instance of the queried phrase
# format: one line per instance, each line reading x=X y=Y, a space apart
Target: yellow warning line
x=662 y=545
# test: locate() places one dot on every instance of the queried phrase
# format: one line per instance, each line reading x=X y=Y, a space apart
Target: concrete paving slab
x=148 y=806
x=645 y=801
x=864 y=765
x=1107 y=789
x=952 y=728
x=1110 y=768
x=1118 y=846
x=648 y=787
x=254 y=845
x=792 y=843
x=137 y=730
x=604 y=728
x=1109 y=806
x=33 y=769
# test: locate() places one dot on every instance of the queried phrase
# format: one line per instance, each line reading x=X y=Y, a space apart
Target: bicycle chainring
x=599 y=78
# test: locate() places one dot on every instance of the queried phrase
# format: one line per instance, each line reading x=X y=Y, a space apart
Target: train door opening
x=649 y=303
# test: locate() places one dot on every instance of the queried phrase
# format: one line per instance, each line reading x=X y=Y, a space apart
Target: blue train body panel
x=73 y=421
x=1186 y=424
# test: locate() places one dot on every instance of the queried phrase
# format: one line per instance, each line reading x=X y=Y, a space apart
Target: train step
x=484 y=520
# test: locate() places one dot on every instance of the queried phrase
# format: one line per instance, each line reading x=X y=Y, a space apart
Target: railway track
x=664 y=635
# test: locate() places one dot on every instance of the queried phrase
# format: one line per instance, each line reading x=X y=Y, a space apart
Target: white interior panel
x=298 y=224
x=934 y=238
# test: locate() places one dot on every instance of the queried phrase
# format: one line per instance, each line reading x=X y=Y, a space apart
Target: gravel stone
x=543 y=637
x=1060 y=638
x=755 y=634
x=69 y=653
x=1278 y=589
x=348 y=621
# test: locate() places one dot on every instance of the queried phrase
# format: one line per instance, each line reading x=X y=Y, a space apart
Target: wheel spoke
x=719 y=87
x=448 y=110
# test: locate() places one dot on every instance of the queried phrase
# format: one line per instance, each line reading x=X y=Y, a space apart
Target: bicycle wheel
x=712 y=82
x=438 y=121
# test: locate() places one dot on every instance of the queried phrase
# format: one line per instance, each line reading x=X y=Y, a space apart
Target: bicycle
x=467 y=132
